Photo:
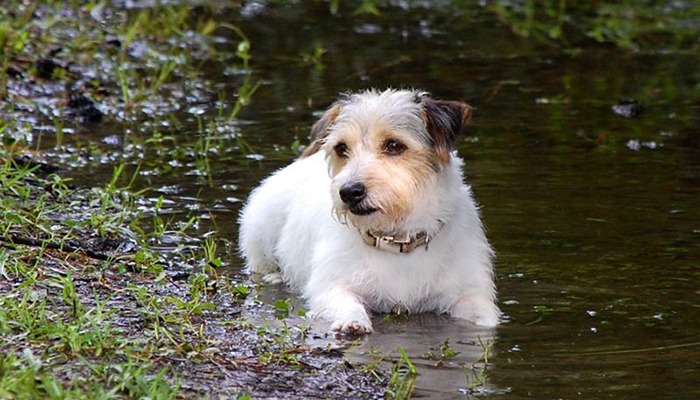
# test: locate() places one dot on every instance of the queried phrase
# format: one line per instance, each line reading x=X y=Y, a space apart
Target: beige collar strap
x=403 y=244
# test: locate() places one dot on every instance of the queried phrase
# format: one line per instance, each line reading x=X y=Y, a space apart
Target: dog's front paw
x=352 y=326
x=342 y=307
x=273 y=278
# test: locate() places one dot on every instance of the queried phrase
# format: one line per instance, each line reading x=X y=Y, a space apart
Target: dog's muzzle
x=353 y=194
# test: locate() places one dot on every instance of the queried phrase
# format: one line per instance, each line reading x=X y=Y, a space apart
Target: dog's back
x=264 y=219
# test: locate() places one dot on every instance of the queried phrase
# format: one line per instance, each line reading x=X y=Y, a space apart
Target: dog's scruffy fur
x=375 y=215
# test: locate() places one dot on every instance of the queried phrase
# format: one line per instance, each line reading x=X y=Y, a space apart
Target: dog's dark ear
x=444 y=120
x=319 y=130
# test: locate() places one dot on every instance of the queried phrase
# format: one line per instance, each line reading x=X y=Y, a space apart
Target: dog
x=375 y=216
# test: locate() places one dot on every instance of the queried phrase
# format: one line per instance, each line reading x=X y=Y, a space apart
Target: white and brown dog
x=375 y=215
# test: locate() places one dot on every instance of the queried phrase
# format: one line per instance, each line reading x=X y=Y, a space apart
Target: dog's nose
x=353 y=193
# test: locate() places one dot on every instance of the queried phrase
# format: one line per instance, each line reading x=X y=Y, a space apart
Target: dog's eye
x=341 y=149
x=393 y=147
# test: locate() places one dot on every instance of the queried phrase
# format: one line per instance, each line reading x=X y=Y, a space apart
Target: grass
x=476 y=373
x=403 y=377
x=135 y=70
x=52 y=323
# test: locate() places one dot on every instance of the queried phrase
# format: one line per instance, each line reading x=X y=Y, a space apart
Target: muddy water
x=595 y=217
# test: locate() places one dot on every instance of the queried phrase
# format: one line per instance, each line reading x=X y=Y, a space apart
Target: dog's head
x=385 y=152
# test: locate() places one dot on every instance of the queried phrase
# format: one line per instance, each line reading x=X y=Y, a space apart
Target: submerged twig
x=632 y=351
x=25 y=241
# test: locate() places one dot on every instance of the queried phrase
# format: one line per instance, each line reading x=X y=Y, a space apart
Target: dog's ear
x=319 y=130
x=444 y=120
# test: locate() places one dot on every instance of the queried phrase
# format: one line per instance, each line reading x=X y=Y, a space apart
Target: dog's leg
x=476 y=308
x=343 y=308
x=265 y=269
x=259 y=263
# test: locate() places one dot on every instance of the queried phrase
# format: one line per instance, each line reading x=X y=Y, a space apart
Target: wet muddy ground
x=157 y=121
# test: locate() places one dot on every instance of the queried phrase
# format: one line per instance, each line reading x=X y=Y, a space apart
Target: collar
x=399 y=244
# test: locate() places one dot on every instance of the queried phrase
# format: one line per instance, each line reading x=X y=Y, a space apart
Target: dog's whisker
x=339 y=216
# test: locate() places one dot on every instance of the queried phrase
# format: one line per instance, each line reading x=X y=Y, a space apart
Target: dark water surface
x=595 y=217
